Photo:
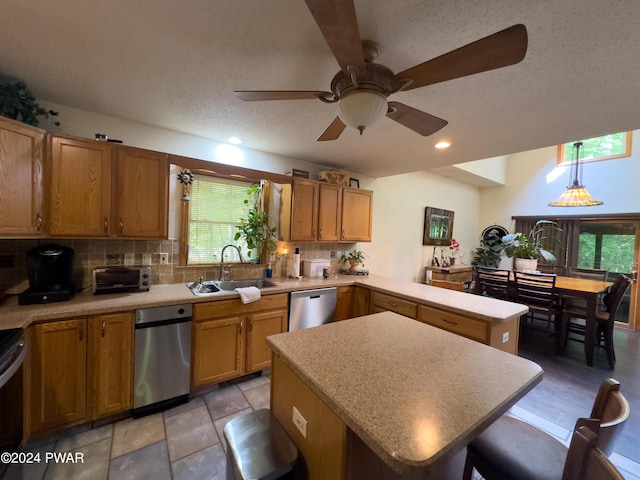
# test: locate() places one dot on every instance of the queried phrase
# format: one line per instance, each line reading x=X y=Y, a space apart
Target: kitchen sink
x=214 y=286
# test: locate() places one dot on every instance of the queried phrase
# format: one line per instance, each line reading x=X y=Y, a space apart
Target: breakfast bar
x=384 y=396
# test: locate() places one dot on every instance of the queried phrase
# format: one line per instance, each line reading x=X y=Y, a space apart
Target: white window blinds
x=216 y=207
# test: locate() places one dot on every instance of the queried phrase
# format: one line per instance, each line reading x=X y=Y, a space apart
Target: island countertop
x=414 y=394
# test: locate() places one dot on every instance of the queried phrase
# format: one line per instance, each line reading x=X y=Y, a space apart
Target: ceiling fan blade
x=501 y=49
x=333 y=131
x=339 y=25
x=417 y=120
x=258 y=95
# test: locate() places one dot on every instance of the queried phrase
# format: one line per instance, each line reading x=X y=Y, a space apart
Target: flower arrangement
x=454 y=246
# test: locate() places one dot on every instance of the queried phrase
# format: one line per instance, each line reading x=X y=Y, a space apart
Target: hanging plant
x=17 y=102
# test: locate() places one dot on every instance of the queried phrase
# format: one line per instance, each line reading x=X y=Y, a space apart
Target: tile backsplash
x=90 y=254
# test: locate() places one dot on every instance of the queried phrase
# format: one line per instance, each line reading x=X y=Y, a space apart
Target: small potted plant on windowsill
x=355 y=258
x=528 y=248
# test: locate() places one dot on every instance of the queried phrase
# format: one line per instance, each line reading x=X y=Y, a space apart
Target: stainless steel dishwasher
x=310 y=308
x=162 y=369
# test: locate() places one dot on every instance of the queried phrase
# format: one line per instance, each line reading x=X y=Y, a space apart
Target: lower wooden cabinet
x=229 y=337
x=110 y=363
x=344 y=303
x=382 y=302
x=78 y=370
x=57 y=375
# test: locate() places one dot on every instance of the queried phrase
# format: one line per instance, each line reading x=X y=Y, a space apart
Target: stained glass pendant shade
x=576 y=194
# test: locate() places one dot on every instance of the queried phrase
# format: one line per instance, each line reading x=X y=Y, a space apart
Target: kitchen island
x=385 y=397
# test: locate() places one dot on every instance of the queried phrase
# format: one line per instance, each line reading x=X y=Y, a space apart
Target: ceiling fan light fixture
x=362 y=108
x=576 y=194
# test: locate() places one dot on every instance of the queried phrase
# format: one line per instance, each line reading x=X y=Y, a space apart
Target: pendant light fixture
x=576 y=195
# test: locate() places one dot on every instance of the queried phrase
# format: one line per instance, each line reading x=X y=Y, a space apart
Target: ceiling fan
x=361 y=87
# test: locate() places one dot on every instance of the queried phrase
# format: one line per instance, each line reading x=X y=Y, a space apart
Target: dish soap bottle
x=268 y=273
x=296 y=264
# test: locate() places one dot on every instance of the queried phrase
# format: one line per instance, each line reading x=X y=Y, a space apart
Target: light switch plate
x=300 y=422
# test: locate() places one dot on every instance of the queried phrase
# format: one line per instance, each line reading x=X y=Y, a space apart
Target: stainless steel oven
x=162 y=363
x=13 y=350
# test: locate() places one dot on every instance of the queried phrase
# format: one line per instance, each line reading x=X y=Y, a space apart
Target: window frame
x=561 y=160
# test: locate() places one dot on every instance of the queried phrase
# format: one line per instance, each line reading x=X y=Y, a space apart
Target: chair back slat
x=536 y=290
x=493 y=282
x=589 y=273
x=618 y=289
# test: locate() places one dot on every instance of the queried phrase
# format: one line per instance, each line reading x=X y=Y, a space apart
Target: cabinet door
x=261 y=325
x=357 y=207
x=21 y=150
x=329 y=212
x=142 y=194
x=111 y=363
x=218 y=350
x=344 y=303
x=80 y=194
x=360 y=301
x=304 y=210
x=57 y=376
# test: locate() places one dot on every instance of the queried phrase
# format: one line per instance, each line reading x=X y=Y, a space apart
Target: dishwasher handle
x=159 y=323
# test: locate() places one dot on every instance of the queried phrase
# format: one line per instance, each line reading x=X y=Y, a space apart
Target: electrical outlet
x=164 y=259
x=146 y=259
x=333 y=254
x=505 y=337
x=300 y=422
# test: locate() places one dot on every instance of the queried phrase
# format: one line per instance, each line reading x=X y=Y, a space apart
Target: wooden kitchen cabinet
x=304 y=209
x=357 y=214
x=328 y=212
x=360 y=302
x=56 y=381
x=503 y=336
x=344 y=303
x=21 y=180
x=229 y=337
x=110 y=363
x=80 y=188
x=382 y=302
x=101 y=190
x=142 y=198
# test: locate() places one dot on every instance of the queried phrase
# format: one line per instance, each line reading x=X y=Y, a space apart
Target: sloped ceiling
x=175 y=65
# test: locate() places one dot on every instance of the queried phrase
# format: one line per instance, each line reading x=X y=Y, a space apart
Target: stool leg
x=468 y=467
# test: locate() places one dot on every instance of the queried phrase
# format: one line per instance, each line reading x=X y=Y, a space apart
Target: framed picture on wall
x=438 y=226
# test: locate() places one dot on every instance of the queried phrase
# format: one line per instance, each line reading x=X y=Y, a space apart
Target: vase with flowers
x=454 y=249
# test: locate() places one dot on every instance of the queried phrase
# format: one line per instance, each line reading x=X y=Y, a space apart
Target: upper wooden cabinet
x=102 y=190
x=21 y=185
x=142 y=193
x=357 y=210
x=327 y=212
x=80 y=188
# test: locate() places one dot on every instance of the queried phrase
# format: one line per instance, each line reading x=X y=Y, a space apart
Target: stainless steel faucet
x=224 y=271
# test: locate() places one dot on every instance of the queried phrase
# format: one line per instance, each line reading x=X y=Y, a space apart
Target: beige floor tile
x=132 y=434
x=94 y=464
x=191 y=404
x=225 y=401
x=85 y=438
x=254 y=382
x=207 y=464
x=189 y=432
x=150 y=462
x=259 y=397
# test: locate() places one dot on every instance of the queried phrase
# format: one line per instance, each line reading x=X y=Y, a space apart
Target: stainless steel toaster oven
x=113 y=279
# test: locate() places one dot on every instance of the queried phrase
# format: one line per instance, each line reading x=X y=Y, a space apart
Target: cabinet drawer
x=465 y=326
x=381 y=302
x=226 y=308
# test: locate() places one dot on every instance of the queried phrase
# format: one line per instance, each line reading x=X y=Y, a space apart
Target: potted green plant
x=17 y=102
x=255 y=229
x=529 y=248
x=355 y=258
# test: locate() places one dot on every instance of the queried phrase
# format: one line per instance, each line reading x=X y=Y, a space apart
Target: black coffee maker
x=50 y=270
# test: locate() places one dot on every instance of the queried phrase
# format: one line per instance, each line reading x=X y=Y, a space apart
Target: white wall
x=527 y=191
x=399 y=203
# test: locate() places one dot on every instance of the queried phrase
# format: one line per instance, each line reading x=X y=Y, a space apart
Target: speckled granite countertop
x=13 y=315
x=413 y=393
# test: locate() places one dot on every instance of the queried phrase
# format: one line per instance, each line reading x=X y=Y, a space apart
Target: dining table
x=588 y=290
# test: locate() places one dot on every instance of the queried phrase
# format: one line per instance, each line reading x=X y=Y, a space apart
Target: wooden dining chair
x=585 y=461
x=538 y=292
x=513 y=449
x=458 y=286
x=590 y=273
x=573 y=320
x=493 y=282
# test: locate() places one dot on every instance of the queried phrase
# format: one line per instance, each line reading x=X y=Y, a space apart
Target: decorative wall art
x=438 y=226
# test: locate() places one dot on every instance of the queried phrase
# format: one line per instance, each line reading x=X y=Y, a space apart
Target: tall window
x=216 y=207
x=606 y=147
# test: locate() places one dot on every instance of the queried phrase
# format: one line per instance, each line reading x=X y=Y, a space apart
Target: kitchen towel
x=248 y=294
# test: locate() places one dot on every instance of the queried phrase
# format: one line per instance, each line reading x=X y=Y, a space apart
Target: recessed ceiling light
x=234 y=140
x=442 y=144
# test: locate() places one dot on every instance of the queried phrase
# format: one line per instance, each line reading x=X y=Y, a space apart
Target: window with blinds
x=216 y=206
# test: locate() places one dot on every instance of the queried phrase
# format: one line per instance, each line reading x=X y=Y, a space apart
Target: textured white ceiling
x=175 y=65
